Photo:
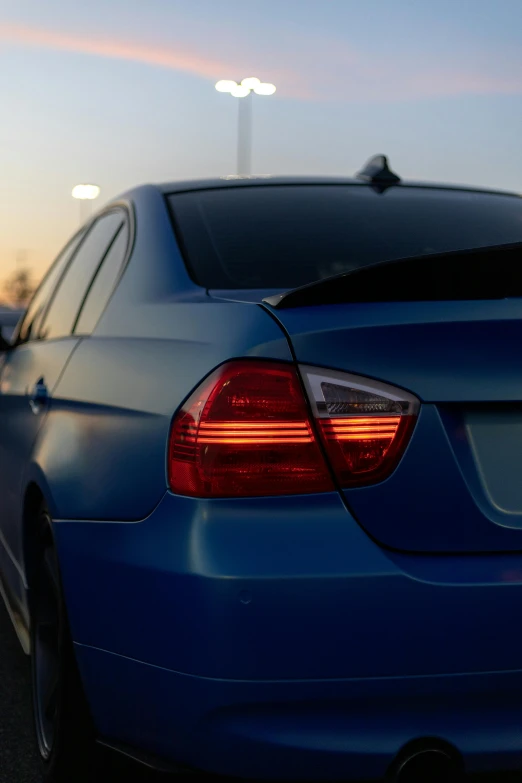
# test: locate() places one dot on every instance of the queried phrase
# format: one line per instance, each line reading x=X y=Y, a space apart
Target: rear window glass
x=284 y=236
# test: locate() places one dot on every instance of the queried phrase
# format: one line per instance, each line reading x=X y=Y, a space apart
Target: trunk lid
x=458 y=487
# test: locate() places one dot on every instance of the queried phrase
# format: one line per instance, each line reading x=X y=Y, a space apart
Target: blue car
x=260 y=481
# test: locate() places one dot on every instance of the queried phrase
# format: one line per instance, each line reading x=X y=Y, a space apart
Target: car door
x=30 y=372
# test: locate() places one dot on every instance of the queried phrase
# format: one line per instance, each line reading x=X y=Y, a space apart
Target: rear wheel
x=63 y=727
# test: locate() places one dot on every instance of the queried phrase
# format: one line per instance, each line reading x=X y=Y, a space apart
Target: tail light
x=364 y=425
x=247 y=431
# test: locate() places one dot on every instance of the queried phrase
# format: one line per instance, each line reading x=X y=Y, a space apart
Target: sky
x=121 y=92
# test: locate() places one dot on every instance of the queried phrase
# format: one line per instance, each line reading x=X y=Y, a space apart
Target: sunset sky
x=120 y=92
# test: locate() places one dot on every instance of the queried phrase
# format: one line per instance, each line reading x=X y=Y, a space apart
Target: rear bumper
x=273 y=639
x=317 y=730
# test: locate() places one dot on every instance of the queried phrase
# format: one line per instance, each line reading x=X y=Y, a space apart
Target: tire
x=64 y=731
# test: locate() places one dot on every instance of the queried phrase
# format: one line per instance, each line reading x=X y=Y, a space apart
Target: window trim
x=16 y=334
x=130 y=221
x=119 y=206
x=88 y=228
x=93 y=279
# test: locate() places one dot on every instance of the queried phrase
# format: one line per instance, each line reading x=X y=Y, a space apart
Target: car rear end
x=335 y=572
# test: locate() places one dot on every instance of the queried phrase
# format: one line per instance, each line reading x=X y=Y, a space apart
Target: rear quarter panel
x=102 y=451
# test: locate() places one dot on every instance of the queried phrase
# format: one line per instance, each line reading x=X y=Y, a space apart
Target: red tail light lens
x=362 y=454
x=365 y=425
x=246 y=432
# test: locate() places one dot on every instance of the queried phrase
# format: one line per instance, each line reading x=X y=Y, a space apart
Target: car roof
x=233 y=181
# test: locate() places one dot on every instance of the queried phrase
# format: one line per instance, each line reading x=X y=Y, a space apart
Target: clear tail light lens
x=247 y=431
x=364 y=425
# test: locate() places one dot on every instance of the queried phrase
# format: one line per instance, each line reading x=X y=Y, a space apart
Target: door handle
x=39 y=396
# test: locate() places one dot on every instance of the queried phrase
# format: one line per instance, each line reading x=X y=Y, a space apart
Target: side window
x=103 y=283
x=32 y=319
x=65 y=305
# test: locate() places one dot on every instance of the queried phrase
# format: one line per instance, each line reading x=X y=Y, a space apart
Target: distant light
x=238 y=91
x=264 y=88
x=251 y=82
x=226 y=85
x=89 y=192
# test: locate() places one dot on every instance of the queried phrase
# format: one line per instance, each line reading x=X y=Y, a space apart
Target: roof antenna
x=378 y=172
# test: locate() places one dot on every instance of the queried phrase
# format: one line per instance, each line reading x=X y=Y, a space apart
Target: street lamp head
x=85 y=192
x=238 y=91
x=251 y=83
x=225 y=85
x=264 y=88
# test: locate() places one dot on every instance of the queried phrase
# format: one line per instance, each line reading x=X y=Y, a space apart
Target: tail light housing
x=248 y=430
x=364 y=425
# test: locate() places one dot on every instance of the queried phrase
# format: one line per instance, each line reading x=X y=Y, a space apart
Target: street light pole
x=244 y=90
x=244 y=136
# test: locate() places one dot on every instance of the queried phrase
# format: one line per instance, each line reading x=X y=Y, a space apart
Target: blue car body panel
x=439 y=502
x=114 y=424
x=295 y=730
x=295 y=637
x=274 y=636
x=20 y=371
x=441 y=351
x=323 y=603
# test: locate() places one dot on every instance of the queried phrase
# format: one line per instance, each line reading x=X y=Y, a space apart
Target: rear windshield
x=284 y=236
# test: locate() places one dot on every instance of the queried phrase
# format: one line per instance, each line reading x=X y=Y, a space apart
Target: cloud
x=337 y=72
x=178 y=59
